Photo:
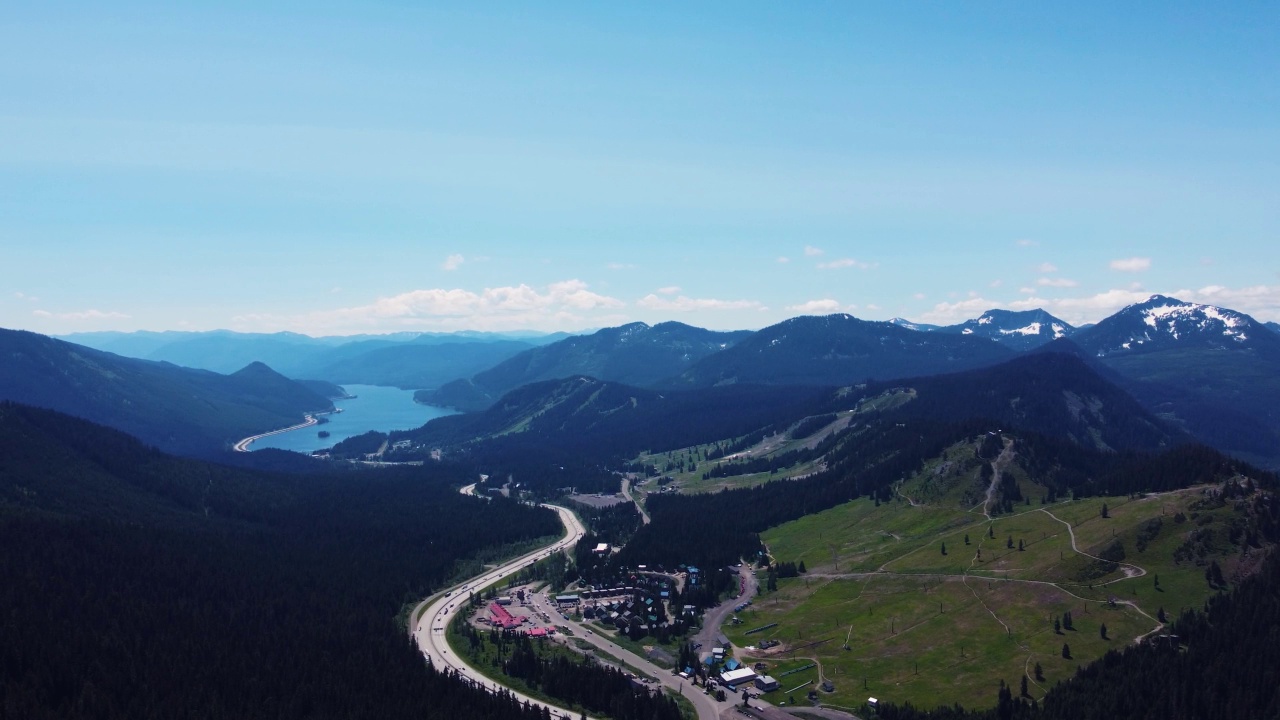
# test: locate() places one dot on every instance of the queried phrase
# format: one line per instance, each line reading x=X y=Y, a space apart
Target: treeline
x=1065 y=468
x=583 y=424
x=811 y=425
x=718 y=528
x=1223 y=662
x=580 y=682
x=865 y=461
x=143 y=586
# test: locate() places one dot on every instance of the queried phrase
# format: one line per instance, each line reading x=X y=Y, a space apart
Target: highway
x=243 y=445
x=429 y=631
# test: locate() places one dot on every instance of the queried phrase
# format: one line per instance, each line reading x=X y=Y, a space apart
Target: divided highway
x=429 y=630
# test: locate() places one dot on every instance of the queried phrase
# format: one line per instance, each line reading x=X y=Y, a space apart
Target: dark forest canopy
x=144 y=586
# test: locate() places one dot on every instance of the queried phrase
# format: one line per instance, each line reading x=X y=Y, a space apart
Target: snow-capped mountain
x=1019 y=330
x=1163 y=322
x=905 y=323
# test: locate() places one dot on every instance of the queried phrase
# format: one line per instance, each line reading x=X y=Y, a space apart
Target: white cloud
x=81 y=315
x=918 y=296
x=811 y=251
x=1260 y=301
x=816 y=307
x=1027 y=243
x=24 y=296
x=687 y=304
x=620 y=266
x=560 y=305
x=844 y=263
x=1027 y=290
x=995 y=283
x=1133 y=264
x=453 y=262
x=1046 y=268
x=669 y=290
x=1056 y=282
x=873 y=306
x=784 y=259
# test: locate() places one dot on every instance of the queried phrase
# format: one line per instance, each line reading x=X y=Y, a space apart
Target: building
x=504 y=619
x=563 y=600
x=734 y=678
x=766 y=684
x=601 y=549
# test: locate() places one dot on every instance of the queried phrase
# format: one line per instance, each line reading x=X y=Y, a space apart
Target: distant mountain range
x=839 y=350
x=634 y=354
x=1212 y=372
x=177 y=409
x=1052 y=394
x=407 y=360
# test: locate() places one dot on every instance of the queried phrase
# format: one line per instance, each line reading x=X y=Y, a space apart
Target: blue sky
x=374 y=167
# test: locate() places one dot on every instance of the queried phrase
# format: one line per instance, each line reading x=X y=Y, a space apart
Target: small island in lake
x=323 y=433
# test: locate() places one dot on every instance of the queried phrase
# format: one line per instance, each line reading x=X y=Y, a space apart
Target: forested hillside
x=138 y=585
x=178 y=409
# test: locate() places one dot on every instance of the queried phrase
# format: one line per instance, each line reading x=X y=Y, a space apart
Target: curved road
x=243 y=445
x=429 y=630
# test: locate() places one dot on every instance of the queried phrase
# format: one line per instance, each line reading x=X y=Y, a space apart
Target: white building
x=734 y=678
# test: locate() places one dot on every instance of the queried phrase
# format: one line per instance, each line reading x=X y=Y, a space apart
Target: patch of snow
x=967 y=331
x=1032 y=329
x=984 y=320
x=1058 y=330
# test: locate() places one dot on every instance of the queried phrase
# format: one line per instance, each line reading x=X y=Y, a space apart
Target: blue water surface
x=373 y=408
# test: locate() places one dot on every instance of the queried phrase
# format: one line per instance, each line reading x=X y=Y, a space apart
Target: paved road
x=429 y=630
x=707 y=707
x=242 y=446
x=716 y=616
x=626 y=493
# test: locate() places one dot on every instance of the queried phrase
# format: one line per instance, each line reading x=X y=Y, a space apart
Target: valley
x=1005 y=519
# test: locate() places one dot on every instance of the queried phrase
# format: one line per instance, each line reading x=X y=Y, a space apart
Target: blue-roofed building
x=730 y=664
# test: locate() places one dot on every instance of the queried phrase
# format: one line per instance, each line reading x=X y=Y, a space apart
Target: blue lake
x=373 y=408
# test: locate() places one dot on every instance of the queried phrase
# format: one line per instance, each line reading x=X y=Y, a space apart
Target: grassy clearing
x=885 y=613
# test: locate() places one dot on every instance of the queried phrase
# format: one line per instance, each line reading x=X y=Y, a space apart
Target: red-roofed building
x=504 y=619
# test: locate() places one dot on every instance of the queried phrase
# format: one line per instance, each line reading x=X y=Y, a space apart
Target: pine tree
x=966 y=538
x=1105 y=512
x=1103 y=631
x=1066 y=651
x=1021 y=547
x=944 y=548
x=1039 y=673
